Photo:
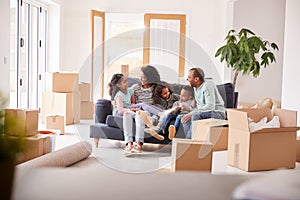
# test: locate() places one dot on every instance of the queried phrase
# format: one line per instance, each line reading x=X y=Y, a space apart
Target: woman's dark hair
x=151 y=74
x=156 y=95
x=113 y=88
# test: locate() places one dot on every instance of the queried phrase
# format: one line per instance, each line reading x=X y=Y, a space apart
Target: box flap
x=238 y=119
x=258 y=113
x=287 y=118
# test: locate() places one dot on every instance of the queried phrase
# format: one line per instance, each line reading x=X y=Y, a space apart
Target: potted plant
x=246 y=52
x=9 y=149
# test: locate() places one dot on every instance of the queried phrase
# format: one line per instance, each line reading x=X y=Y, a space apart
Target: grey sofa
x=111 y=127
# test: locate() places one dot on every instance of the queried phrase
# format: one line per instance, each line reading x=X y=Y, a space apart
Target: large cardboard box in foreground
x=21 y=122
x=61 y=82
x=65 y=104
x=211 y=130
x=189 y=155
x=265 y=149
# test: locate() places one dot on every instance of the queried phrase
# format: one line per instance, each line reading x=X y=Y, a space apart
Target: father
x=208 y=100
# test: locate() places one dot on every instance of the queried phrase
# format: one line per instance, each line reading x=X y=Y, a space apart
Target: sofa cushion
x=115 y=121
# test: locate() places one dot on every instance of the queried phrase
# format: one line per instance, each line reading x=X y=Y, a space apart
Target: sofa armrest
x=103 y=108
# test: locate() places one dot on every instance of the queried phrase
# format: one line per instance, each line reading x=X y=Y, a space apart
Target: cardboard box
x=21 y=122
x=265 y=149
x=189 y=155
x=87 y=110
x=65 y=104
x=49 y=142
x=55 y=122
x=298 y=149
x=34 y=147
x=84 y=89
x=211 y=130
x=61 y=82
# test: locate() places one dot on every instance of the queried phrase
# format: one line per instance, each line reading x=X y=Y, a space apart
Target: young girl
x=121 y=94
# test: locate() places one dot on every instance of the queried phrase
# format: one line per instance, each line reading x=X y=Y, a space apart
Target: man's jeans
x=187 y=127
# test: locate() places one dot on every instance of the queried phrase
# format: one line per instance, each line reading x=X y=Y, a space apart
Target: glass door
x=28 y=54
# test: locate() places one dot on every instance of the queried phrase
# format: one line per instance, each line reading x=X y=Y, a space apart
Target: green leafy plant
x=245 y=52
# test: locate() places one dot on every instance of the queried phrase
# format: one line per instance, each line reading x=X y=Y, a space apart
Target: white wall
x=266 y=19
x=291 y=69
x=206 y=26
x=4 y=47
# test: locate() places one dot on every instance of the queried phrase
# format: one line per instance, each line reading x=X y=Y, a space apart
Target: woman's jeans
x=187 y=127
x=127 y=125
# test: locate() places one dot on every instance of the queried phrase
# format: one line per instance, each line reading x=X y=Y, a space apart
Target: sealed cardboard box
x=264 y=149
x=189 y=155
x=25 y=122
x=49 y=142
x=65 y=104
x=34 y=147
x=84 y=89
x=214 y=131
x=61 y=82
x=298 y=149
x=56 y=122
x=87 y=110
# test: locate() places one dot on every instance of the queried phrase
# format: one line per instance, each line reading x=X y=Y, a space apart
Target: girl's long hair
x=113 y=88
x=156 y=94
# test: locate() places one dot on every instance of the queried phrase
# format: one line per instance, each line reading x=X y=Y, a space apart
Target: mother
x=149 y=77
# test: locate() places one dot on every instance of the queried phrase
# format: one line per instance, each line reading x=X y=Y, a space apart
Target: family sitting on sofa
x=153 y=100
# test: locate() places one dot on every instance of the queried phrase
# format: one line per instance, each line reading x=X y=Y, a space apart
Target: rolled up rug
x=62 y=158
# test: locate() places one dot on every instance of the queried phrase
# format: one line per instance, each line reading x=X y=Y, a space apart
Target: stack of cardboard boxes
x=25 y=122
x=86 y=105
x=62 y=97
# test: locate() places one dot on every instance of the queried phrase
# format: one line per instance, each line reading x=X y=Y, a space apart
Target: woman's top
x=142 y=95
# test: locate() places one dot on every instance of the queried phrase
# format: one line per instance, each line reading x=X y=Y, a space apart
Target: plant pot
x=7 y=168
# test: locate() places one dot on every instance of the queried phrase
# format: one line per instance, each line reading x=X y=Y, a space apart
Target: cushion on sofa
x=115 y=121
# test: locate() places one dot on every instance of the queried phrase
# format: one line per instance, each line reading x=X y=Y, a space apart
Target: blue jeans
x=187 y=127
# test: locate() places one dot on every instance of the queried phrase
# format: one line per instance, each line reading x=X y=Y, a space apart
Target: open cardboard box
x=190 y=155
x=211 y=130
x=265 y=149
